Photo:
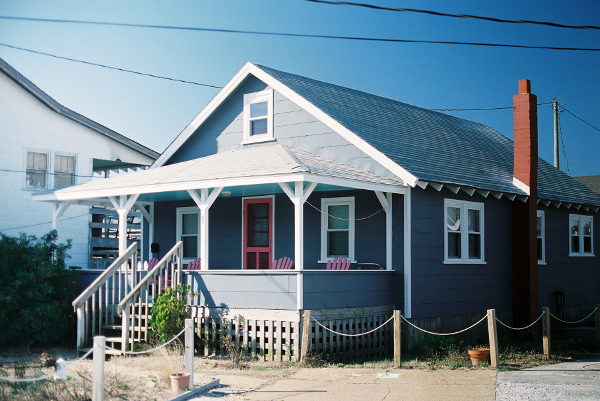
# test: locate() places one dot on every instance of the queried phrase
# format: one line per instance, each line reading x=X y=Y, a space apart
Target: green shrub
x=36 y=290
x=169 y=311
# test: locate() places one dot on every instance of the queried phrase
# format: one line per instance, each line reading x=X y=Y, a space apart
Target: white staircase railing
x=135 y=306
x=96 y=306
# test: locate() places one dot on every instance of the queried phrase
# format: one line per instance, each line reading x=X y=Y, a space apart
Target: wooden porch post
x=123 y=205
x=204 y=201
x=386 y=202
x=149 y=215
x=407 y=253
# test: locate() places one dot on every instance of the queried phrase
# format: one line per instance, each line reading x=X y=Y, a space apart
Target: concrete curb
x=196 y=391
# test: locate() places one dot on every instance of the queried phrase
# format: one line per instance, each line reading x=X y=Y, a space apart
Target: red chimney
x=525 y=264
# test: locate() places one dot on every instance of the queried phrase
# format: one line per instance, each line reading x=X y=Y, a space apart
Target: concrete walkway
x=564 y=381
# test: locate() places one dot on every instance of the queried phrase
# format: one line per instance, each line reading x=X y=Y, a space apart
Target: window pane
x=453 y=219
x=263 y=260
x=338 y=217
x=574 y=226
x=337 y=243
x=260 y=239
x=251 y=260
x=189 y=223
x=575 y=243
x=62 y=180
x=587 y=227
x=258 y=127
x=587 y=244
x=473 y=221
x=37 y=161
x=259 y=109
x=539 y=226
x=474 y=246
x=36 y=179
x=539 y=249
x=454 y=246
x=190 y=247
x=64 y=164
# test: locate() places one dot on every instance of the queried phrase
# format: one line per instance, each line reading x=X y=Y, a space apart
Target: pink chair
x=282 y=263
x=151 y=264
x=339 y=263
x=194 y=265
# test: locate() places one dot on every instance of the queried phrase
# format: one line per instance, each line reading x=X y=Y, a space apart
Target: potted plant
x=479 y=355
x=180 y=381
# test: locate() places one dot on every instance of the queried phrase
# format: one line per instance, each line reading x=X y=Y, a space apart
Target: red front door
x=258 y=233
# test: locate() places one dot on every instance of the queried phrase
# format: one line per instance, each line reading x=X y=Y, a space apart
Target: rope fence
x=579 y=321
x=150 y=350
x=45 y=377
x=353 y=335
x=445 y=334
x=521 y=328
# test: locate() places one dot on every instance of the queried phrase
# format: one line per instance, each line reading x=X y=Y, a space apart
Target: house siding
x=577 y=277
x=440 y=289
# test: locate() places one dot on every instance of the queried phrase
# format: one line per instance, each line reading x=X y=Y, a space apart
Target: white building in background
x=47 y=146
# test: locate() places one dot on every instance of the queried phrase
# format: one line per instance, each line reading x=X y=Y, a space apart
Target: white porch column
x=407 y=253
x=123 y=205
x=149 y=216
x=386 y=203
x=298 y=197
x=59 y=209
x=204 y=202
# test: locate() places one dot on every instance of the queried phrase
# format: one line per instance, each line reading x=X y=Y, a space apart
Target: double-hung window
x=541 y=237
x=64 y=171
x=188 y=229
x=258 y=116
x=337 y=228
x=581 y=230
x=36 y=170
x=463 y=226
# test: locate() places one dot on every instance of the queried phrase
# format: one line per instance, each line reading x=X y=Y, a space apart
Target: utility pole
x=555 y=106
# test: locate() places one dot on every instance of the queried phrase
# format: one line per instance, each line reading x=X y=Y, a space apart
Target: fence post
x=397 y=338
x=493 y=337
x=546 y=332
x=597 y=331
x=305 y=336
x=98 y=368
x=189 y=350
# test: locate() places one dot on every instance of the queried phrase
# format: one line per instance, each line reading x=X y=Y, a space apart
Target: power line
x=40 y=224
x=563 y=146
x=303 y=35
x=552 y=24
x=107 y=66
x=581 y=119
x=491 y=108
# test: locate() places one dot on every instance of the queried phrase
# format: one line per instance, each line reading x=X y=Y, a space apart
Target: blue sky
x=154 y=111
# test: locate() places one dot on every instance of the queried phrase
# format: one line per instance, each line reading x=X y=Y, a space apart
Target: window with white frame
x=581 y=230
x=337 y=228
x=64 y=171
x=258 y=116
x=188 y=229
x=36 y=170
x=463 y=226
x=541 y=237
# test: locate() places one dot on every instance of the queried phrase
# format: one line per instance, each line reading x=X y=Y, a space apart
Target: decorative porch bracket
x=298 y=197
x=204 y=202
x=59 y=209
x=123 y=205
x=386 y=202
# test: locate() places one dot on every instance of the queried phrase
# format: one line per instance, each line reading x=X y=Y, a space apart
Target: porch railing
x=96 y=306
x=135 y=306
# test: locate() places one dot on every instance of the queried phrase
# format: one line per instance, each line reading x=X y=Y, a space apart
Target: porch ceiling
x=253 y=170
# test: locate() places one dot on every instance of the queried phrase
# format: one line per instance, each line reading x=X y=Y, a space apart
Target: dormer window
x=258 y=116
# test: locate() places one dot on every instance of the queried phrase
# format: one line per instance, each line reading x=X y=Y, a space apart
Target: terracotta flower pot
x=180 y=381
x=479 y=355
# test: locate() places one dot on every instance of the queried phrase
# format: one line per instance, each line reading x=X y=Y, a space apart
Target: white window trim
x=325 y=203
x=48 y=164
x=464 y=207
x=74 y=156
x=257 y=97
x=541 y=214
x=188 y=210
x=581 y=218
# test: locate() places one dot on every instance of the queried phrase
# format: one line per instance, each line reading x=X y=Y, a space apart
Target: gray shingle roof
x=430 y=145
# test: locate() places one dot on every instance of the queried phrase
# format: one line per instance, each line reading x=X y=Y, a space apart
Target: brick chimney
x=525 y=264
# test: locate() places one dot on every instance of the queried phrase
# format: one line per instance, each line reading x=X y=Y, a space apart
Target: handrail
x=149 y=276
x=103 y=277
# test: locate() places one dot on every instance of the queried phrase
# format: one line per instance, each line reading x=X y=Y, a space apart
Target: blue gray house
x=439 y=216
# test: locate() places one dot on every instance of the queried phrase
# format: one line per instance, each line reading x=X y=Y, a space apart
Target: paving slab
x=564 y=381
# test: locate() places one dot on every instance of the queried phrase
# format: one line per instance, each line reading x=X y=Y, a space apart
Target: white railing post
x=98 y=369
x=125 y=328
x=81 y=326
x=189 y=350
